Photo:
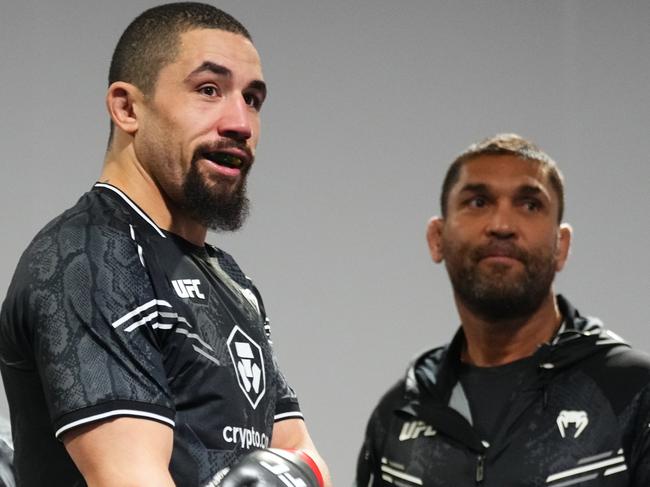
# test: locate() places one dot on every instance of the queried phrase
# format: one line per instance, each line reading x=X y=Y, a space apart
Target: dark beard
x=216 y=210
x=497 y=296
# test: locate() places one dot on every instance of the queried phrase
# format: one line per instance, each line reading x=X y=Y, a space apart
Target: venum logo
x=188 y=288
x=412 y=429
x=578 y=418
x=247 y=358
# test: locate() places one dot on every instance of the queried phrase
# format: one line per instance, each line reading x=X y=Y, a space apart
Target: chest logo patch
x=188 y=288
x=567 y=418
x=248 y=360
x=413 y=429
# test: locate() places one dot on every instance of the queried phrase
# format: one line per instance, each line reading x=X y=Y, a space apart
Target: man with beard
x=529 y=392
x=133 y=352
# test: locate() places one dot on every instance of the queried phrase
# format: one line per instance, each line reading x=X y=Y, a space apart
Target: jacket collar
x=435 y=373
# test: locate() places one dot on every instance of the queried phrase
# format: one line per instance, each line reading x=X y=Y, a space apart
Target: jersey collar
x=132 y=204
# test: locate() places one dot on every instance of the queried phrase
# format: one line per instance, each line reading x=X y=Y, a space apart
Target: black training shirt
x=107 y=315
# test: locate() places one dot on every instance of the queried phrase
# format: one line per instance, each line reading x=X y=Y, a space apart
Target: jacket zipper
x=480 y=467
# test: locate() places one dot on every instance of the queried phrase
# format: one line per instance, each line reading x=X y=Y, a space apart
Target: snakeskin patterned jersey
x=108 y=315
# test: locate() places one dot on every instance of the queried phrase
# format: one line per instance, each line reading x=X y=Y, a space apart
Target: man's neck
x=123 y=170
x=489 y=343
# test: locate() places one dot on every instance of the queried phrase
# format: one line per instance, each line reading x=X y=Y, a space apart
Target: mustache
x=500 y=248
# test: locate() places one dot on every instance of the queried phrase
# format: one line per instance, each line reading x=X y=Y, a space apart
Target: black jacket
x=581 y=418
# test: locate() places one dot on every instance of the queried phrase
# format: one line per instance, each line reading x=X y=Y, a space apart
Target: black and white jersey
x=579 y=417
x=108 y=315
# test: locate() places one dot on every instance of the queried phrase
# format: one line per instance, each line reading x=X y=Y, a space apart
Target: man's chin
x=217 y=207
x=221 y=186
x=500 y=276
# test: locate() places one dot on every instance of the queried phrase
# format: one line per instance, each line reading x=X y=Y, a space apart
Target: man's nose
x=235 y=120
x=501 y=223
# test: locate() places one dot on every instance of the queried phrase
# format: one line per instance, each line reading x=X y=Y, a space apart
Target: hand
x=274 y=468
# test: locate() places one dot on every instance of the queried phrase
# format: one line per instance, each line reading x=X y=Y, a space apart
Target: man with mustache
x=529 y=392
x=134 y=353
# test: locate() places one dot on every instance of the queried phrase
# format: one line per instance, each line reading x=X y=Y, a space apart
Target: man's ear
x=121 y=101
x=564 y=235
x=434 y=238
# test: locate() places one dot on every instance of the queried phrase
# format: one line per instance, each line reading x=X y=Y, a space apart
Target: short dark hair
x=151 y=41
x=505 y=144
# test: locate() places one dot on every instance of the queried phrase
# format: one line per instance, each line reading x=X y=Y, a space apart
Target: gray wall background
x=369 y=102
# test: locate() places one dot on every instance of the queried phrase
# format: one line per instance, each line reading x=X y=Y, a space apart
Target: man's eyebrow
x=474 y=188
x=211 y=67
x=220 y=70
x=529 y=190
x=258 y=85
x=524 y=189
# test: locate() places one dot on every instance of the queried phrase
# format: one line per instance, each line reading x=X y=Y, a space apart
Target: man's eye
x=253 y=101
x=532 y=205
x=477 y=202
x=209 y=90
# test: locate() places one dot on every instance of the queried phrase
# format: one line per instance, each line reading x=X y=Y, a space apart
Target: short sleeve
x=86 y=285
x=287 y=405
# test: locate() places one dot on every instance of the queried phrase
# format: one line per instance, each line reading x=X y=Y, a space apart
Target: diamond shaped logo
x=247 y=358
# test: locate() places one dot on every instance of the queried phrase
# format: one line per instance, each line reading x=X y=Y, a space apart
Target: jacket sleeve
x=376 y=440
x=639 y=461
x=368 y=473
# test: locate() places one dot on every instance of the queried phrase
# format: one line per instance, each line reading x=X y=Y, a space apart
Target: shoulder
x=620 y=364
x=383 y=414
x=83 y=260
x=592 y=348
x=605 y=354
x=430 y=361
x=94 y=215
x=91 y=228
x=628 y=359
x=392 y=398
x=620 y=372
x=421 y=373
x=228 y=263
x=88 y=245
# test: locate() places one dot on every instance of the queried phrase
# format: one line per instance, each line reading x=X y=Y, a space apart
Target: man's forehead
x=502 y=171
x=229 y=49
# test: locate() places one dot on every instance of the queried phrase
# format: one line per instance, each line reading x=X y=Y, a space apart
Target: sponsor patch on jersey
x=249 y=365
x=245 y=437
x=575 y=420
x=191 y=289
x=414 y=429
